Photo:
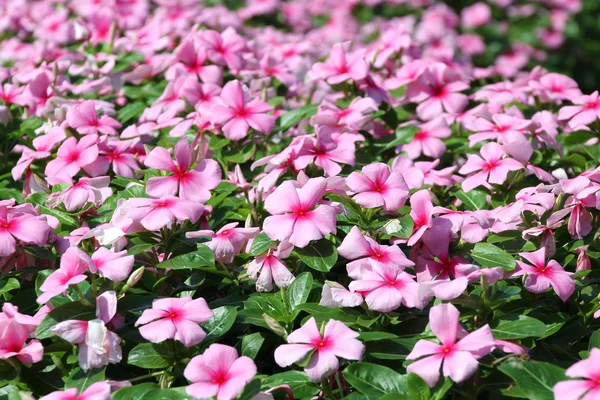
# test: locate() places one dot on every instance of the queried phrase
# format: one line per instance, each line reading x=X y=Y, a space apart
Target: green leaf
x=72 y=310
x=240 y=156
x=474 y=200
x=300 y=383
x=401 y=228
x=489 y=255
x=151 y=356
x=260 y=244
x=578 y=137
x=293 y=117
x=203 y=257
x=299 y=290
x=533 y=380
x=221 y=321
x=8 y=284
x=417 y=387
x=320 y=256
x=81 y=380
x=514 y=326
x=136 y=392
x=373 y=336
x=251 y=344
x=168 y=394
x=140 y=248
x=404 y=135
x=594 y=340
x=375 y=380
x=250 y=390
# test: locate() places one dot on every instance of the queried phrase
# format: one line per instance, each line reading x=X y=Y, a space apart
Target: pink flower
x=72 y=156
x=96 y=391
x=13 y=343
x=73 y=265
x=293 y=217
x=330 y=153
x=504 y=128
x=340 y=66
x=492 y=168
x=237 y=113
x=228 y=241
x=269 y=268
x=386 y=287
x=459 y=358
x=175 y=318
x=191 y=184
x=363 y=249
x=119 y=154
x=440 y=87
x=586 y=110
x=115 y=266
x=476 y=15
x=27 y=228
x=541 y=275
x=553 y=86
x=349 y=119
x=224 y=48
x=324 y=349
x=378 y=186
x=84 y=119
x=192 y=59
x=86 y=190
x=421 y=210
x=154 y=214
x=427 y=140
x=43 y=146
x=587 y=388
x=335 y=295
x=219 y=372
x=98 y=346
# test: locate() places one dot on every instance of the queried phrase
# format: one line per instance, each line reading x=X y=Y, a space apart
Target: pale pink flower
x=428 y=141
x=541 y=275
x=86 y=190
x=492 y=168
x=26 y=228
x=587 y=388
x=175 y=318
x=378 y=186
x=553 y=86
x=340 y=67
x=154 y=214
x=192 y=184
x=13 y=342
x=362 y=249
x=72 y=156
x=334 y=295
x=73 y=265
x=386 y=287
x=84 y=119
x=459 y=357
x=476 y=15
x=219 y=372
x=336 y=341
x=585 y=111
x=96 y=391
x=349 y=119
x=97 y=345
x=293 y=214
x=236 y=112
x=115 y=266
x=269 y=268
x=227 y=242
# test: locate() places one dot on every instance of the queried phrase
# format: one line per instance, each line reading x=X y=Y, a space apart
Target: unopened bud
x=274 y=325
x=583 y=260
x=135 y=277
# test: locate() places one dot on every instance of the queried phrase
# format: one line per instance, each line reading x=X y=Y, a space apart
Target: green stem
x=94 y=288
x=140 y=378
x=340 y=386
x=82 y=298
x=326 y=388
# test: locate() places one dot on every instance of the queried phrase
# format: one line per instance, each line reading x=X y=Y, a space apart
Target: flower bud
x=135 y=277
x=274 y=325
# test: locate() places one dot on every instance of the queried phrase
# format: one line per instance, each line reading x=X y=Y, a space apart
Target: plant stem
x=326 y=388
x=153 y=374
x=82 y=298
